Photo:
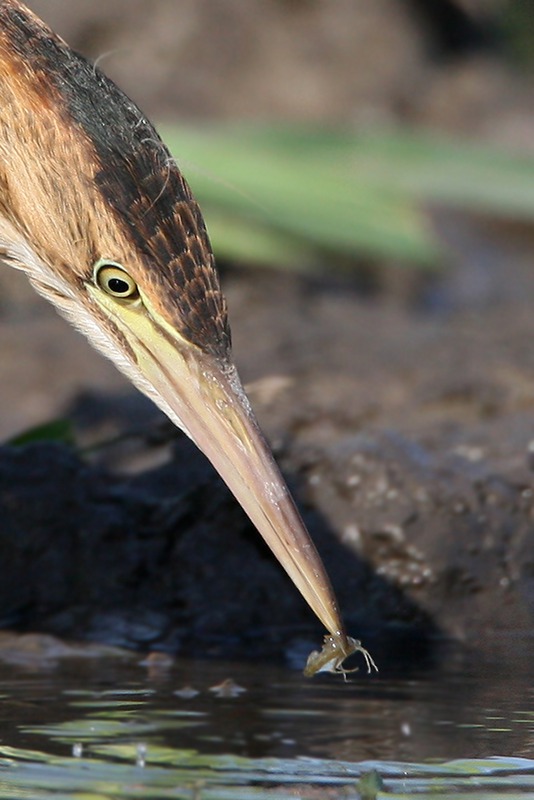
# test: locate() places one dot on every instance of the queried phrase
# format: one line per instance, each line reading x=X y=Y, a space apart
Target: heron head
x=95 y=210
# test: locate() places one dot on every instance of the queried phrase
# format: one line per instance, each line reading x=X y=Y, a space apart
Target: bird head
x=95 y=210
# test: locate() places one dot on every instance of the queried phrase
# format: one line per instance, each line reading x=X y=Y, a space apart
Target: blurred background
x=450 y=64
x=366 y=170
x=321 y=136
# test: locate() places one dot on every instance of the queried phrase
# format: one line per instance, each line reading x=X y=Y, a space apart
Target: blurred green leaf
x=251 y=241
x=288 y=196
x=58 y=430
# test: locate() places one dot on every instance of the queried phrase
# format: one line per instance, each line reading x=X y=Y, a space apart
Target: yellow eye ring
x=113 y=279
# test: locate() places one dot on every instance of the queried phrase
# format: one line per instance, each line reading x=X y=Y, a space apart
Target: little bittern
x=95 y=211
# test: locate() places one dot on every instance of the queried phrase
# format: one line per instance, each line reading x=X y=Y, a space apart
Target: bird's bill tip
x=205 y=398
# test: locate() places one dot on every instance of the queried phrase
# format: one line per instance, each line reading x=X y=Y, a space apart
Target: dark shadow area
x=164 y=560
x=451 y=31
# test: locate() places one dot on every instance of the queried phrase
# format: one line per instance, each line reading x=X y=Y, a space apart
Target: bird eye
x=115 y=281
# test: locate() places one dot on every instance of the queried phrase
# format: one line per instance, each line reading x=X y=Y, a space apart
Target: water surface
x=459 y=725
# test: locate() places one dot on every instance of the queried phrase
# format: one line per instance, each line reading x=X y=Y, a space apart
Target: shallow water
x=119 y=728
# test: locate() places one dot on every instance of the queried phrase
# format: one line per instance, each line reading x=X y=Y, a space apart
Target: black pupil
x=118 y=286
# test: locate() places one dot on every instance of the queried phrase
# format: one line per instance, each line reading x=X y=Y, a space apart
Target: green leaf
x=57 y=430
x=291 y=195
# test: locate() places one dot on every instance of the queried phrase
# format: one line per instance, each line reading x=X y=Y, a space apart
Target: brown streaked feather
x=84 y=176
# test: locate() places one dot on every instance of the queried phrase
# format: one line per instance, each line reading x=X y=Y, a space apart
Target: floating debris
x=227 y=688
x=157 y=659
x=140 y=755
x=186 y=693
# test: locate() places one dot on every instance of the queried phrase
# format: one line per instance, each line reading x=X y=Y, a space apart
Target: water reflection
x=461 y=707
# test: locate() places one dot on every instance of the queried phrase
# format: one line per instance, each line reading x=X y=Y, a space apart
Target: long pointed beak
x=206 y=399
